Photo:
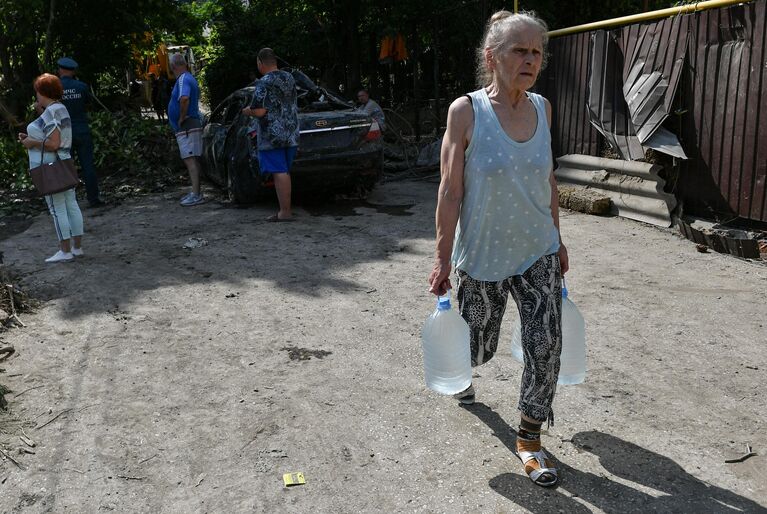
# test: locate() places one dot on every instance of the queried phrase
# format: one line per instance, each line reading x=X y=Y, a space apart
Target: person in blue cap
x=76 y=96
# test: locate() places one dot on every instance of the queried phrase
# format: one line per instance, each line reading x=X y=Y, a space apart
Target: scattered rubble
x=724 y=238
x=195 y=242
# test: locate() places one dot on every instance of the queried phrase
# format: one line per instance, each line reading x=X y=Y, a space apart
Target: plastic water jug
x=446 y=350
x=572 y=368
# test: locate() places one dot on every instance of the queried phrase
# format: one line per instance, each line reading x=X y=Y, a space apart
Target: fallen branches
x=8 y=456
x=6 y=351
x=749 y=453
x=26 y=390
x=14 y=316
x=54 y=418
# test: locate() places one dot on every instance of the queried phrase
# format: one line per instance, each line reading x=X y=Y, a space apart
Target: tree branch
x=49 y=34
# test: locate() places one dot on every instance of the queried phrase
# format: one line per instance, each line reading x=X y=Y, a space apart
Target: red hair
x=49 y=86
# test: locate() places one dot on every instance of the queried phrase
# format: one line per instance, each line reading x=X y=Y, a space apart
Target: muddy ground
x=162 y=379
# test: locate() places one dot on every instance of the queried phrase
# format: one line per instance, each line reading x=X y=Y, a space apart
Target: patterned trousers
x=538 y=295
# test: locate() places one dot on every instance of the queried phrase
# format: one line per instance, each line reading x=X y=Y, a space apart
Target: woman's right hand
x=439 y=279
x=22 y=136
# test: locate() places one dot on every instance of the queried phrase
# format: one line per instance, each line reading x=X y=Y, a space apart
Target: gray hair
x=496 y=38
x=177 y=60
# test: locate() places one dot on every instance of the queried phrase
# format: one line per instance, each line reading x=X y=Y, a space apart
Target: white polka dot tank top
x=505 y=223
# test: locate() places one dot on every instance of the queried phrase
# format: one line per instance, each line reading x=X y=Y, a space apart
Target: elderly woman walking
x=47 y=136
x=498 y=220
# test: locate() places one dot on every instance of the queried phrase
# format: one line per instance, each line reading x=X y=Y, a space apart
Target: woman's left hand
x=28 y=142
x=564 y=260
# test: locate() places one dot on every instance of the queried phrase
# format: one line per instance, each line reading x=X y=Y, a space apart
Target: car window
x=234 y=110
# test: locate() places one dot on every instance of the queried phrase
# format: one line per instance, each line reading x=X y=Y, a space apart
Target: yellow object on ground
x=293 y=479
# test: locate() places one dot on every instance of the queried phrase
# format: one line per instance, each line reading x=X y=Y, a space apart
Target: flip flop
x=276 y=218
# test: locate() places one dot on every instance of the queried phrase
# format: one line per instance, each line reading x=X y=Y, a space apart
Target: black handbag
x=54 y=177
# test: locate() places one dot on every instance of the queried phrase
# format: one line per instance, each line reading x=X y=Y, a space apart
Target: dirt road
x=189 y=380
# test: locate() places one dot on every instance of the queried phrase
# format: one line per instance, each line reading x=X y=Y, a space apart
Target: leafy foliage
x=128 y=143
x=14 y=165
x=134 y=155
x=104 y=36
x=336 y=42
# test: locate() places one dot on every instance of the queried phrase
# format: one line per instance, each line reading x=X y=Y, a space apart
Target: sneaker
x=77 y=252
x=192 y=199
x=186 y=196
x=466 y=397
x=60 y=257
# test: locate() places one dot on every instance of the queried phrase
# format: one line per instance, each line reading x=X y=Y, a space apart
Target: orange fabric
x=393 y=49
x=386 y=49
x=400 y=50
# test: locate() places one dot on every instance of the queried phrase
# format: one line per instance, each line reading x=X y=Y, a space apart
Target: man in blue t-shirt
x=184 y=119
x=76 y=96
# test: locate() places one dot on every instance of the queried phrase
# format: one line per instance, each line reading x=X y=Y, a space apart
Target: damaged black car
x=340 y=149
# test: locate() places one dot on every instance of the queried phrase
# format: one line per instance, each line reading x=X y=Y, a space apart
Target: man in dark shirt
x=76 y=96
x=275 y=104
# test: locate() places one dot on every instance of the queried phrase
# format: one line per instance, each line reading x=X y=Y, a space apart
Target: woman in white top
x=47 y=136
x=498 y=222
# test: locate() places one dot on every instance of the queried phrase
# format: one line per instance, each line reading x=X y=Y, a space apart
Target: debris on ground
x=429 y=154
x=304 y=354
x=399 y=157
x=8 y=456
x=6 y=351
x=12 y=301
x=195 y=242
x=291 y=479
x=749 y=453
x=3 y=402
x=726 y=237
x=26 y=440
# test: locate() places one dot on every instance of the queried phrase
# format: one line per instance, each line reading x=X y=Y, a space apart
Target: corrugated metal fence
x=721 y=107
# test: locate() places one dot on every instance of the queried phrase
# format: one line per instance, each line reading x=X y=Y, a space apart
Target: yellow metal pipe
x=516 y=6
x=652 y=15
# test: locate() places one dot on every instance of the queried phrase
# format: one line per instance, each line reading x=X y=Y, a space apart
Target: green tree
x=104 y=36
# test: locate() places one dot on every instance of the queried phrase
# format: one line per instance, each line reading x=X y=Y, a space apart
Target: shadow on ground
x=674 y=490
x=138 y=247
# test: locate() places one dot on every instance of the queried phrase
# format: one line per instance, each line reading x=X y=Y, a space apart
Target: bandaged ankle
x=530 y=427
x=528 y=436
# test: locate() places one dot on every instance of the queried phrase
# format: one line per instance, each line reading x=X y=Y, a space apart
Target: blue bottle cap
x=564 y=288
x=443 y=302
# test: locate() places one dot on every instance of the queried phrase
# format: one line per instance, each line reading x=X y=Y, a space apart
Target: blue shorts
x=277 y=160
